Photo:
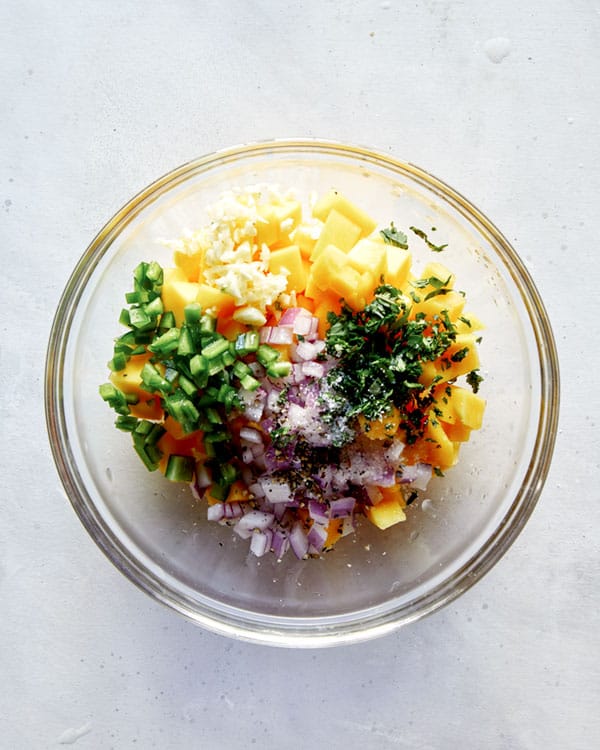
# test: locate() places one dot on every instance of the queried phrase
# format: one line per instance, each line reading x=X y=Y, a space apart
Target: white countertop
x=502 y=101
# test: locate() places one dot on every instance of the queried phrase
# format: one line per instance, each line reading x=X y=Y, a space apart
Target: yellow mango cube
x=355 y=288
x=397 y=265
x=331 y=260
x=289 y=259
x=334 y=201
x=440 y=450
x=368 y=255
x=438 y=271
x=277 y=221
x=457 y=432
x=129 y=380
x=468 y=324
x=190 y=263
x=388 y=511
x=465 y=348
x=468 y=407
x=452 y=302
x=214 y=300
x=338 y=230
x=466 y=358
x=177 y=294
x=304 y=237
x=380 y=429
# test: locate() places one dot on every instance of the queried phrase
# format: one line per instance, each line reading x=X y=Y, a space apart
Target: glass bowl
x=374 y=581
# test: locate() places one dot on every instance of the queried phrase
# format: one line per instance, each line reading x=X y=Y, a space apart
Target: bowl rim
x=297 y=631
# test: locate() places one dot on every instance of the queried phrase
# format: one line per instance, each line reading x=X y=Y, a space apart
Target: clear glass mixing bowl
x=375 y=581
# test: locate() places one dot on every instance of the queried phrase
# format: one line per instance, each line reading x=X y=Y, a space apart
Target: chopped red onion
x=343 y=506
x=251 y=435
x=261 y=542
x=298 y=540
x=215 y=512
x=256 y=489
x=280 y=542
x=318 y=511
x=232 y=510
x=243 y=532
x=255 y=519
x=317 y=536
x=299 y=319
x=272 y=399
x=276 y=335
x=276 y=491
x=417 y=475
x=290 y=315
x=314 y=329
x=313 y=369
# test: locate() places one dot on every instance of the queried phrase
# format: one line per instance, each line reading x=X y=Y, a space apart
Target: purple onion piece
x=343 y=506
x=298 y=541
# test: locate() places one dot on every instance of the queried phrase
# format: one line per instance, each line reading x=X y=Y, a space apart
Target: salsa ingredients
x=294 y=371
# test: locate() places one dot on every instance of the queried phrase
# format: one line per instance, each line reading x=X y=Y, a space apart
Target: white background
x=97 y=99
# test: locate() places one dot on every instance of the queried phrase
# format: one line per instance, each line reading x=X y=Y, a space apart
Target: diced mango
x=175 y=428
x=456 y=432
x=325 y=303
x=277 y=221
x=303 y=301
x=150 y=409
x=397 y=266
x=129 y=380
x=350 y=285
x=173 y=273
x=334 y=201
x=388 y=511
x=230 y=328
x=462 y=356
x=303 y=236
x=190 y=445
x=438 y=271
x=312 y=290
x=393 y=493
x=238 y=492
x=440 y=450
x=468 y=407
x=211 y=299
x=466 y=358
x=380 y=429
x=331 y=260
x=434 y=447
x=190 y=263
x=177 y=294
x=368 y=255
x=468 y=323
x=452 y=302
x=289 y=259
x=338 y=230
x=335 y=529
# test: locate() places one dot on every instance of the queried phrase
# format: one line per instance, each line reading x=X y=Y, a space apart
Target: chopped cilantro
x=460 y=354
x=420 y=233
x=381 y=352
x=474 y=379
x=393 y=236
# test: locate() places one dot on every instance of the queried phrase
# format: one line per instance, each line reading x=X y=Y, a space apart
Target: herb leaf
x=474 y=379
x=432 y=246
x=393 y=236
